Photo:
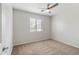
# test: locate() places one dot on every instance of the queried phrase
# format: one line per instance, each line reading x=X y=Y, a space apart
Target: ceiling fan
x=49 y=7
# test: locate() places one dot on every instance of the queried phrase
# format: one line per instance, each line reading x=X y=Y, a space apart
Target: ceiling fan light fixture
x=49 y=7
x=47 y=10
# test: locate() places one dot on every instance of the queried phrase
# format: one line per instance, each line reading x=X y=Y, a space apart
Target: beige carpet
x=45 y=47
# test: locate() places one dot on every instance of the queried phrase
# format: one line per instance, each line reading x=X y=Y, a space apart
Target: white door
x=6 y=28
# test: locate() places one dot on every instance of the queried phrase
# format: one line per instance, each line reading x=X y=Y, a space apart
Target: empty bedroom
x=40 y=28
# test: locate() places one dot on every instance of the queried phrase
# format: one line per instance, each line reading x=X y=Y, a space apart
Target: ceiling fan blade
x=42 y=10
x=48 y=5
x=54 y=5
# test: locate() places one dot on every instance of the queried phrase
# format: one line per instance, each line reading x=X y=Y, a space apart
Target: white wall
x=7 y=28
x=0 y=23
x=21 y=26
x=65 y=24
x=0 y=29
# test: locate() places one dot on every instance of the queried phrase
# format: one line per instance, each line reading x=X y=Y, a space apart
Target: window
x=39 y=25
x=35 y=25
x=32 y=25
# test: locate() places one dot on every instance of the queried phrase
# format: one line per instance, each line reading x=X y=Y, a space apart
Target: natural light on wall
x=59 y=26
x=35 y=25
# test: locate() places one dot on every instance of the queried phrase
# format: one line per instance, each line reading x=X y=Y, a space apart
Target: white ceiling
x=34 y=7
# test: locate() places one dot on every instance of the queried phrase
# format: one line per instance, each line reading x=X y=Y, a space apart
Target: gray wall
x=65 y=24
x=21 y=25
